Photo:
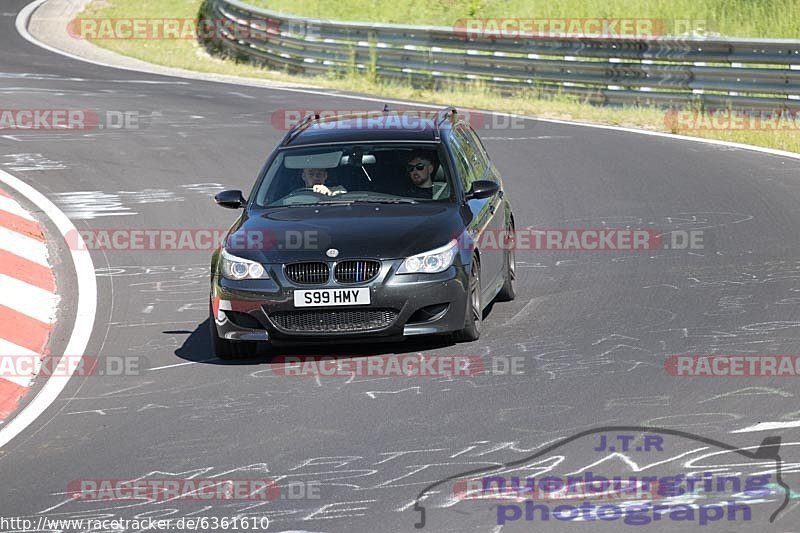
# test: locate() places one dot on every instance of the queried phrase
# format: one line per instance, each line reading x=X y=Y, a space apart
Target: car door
x=488 y=225
x=499 y=203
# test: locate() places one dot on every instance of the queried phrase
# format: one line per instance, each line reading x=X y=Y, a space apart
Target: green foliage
x=743 y=18
x=533 y=100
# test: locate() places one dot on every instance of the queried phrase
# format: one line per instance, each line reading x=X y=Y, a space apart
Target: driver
x=315 y=179
x=420 y=168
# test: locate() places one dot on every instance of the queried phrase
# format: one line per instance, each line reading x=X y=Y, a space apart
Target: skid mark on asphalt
x=375 y=394
x=342 y=479
x=30 y=162
x=749 y=391
x=88 y=205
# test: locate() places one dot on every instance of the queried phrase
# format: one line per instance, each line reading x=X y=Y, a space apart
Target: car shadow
x=197 y=348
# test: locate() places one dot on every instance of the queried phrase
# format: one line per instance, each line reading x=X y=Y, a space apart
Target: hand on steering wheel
x=322 y=189
x=309 y=189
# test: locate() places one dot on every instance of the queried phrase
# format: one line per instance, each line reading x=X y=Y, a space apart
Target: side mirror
x=231 y=199
x=482 y=189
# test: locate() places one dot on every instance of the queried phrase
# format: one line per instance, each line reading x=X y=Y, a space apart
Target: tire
x=474 y=315
x=227 y=349
x=507 y=292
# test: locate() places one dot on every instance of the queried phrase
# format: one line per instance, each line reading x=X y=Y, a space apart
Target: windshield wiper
x=388 y=201
x=346 y=202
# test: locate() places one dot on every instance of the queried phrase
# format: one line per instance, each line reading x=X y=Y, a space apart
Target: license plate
x=323 y=297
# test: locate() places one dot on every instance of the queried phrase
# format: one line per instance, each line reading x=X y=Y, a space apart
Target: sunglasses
x=418 y=166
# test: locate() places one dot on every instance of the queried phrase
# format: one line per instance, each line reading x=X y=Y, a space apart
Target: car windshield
x=384 y=173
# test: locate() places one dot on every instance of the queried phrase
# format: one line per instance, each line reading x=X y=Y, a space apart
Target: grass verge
x=188 y=54
x=745 y=18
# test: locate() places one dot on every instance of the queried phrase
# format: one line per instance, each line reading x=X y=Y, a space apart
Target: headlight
x=237 y=268
x=437 y=260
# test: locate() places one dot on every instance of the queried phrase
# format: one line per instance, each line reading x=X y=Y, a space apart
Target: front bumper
x=410 y=304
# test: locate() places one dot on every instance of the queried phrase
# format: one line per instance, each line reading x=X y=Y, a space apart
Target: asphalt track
x=592 y=329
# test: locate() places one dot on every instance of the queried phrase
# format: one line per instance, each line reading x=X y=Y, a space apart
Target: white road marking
x=25 y=13
x=27 y=247
x=22 y=381
x=768 y=426
x=179 y=364
x=85 y=310
x=28 y=299
x=534 y=138
x=9 y=205
x=21 y=23
x=9 y=348
x=14 y=377
x=145 y=82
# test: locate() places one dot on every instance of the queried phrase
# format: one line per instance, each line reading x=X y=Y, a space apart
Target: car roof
x=413 y=125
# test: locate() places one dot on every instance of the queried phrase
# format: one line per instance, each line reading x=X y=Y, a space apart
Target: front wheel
x=472 y=324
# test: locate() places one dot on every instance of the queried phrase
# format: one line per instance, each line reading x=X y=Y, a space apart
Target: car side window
x=473 y=152
x=458 y=144
x=481 y=149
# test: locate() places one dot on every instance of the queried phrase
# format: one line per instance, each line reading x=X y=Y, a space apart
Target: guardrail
x=760 y=74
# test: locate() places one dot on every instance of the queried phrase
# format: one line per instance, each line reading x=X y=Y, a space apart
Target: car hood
x=379 y=231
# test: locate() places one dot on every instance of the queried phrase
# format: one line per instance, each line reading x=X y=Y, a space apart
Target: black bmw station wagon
x=358 y=232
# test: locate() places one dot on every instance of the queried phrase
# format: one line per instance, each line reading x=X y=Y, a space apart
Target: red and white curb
x=28 y=301
x=84 y=297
